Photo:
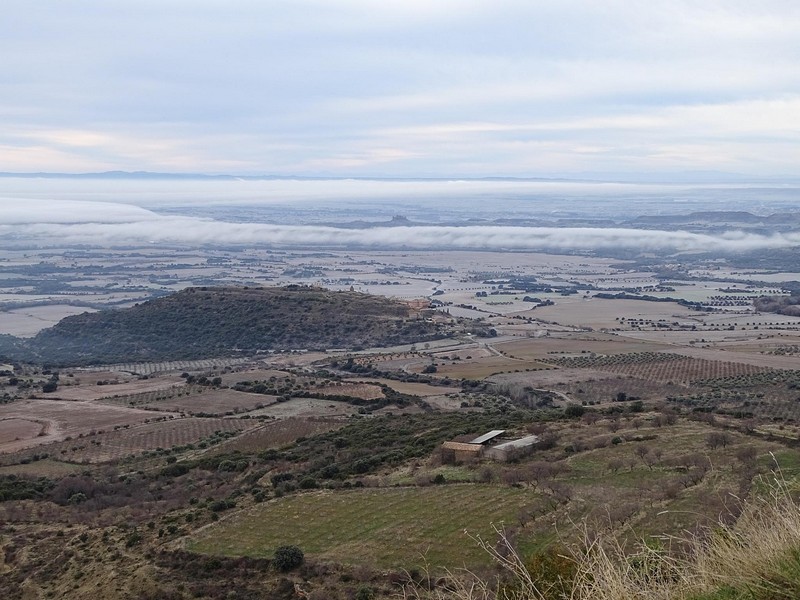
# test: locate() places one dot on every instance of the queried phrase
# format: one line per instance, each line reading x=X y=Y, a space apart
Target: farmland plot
x=598 y=343
x=599 y=313
x=390 y=527
x=276 y=434
x=203 y=401
x=115 y=445
x=41 y=468
x=363 y=391
x=413 y=388
x=662 y=367
x=252 y=375
x=111 y=390
x=18 y=429
x=176 y=366
x=768 y=395
x=490 y=365
x=60 y=419
x=306 y=407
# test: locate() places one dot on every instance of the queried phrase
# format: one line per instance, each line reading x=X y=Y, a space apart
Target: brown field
x=124 y=388
x=680 y=370
x=252 y=375
x=599 y=313
x=209 y=401
x=178 y=366
x=388 y=362
x=115 y=445
x=364 y=391
x=605 y=390
x=89 y=378
x=759 y=360
x=415 y=389
x=560 y=376
x=478 y=369
x=41 y=468
x=58 y=419
x=444 y=402
x=307 y=407
x=19 y=429
x=276 y=434
x=776 y=344
x=388 y=357
x=599 y=343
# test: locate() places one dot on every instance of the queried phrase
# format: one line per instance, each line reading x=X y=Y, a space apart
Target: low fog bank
x=107 y=224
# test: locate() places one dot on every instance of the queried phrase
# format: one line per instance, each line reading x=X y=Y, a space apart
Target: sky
x=401 y=88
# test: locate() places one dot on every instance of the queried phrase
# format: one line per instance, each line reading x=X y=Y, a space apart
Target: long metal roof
x=487 y=436
x=520 y=443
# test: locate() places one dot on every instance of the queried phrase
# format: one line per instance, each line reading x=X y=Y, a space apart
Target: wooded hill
x=783 y=305
x=204 y=322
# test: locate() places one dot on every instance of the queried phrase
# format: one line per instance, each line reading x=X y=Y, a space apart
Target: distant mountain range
x=690 y=177
x=228 y=177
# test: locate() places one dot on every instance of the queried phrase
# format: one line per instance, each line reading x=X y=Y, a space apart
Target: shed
x=486 y=437
x=507 y=450
x=456 y=452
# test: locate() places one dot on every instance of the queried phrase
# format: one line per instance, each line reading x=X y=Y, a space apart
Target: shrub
x=365 y=593
x=574 y=411
x=287 y=558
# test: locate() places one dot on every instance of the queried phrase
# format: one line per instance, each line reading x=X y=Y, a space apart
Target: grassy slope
x=384 y=527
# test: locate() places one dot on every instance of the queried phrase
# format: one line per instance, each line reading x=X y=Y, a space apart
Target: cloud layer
x=78 y=222
x=351 y=87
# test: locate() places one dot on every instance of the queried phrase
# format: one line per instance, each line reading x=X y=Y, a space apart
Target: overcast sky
x=401 y=87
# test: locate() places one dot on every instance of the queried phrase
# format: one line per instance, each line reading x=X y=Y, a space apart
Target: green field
x=390 y=527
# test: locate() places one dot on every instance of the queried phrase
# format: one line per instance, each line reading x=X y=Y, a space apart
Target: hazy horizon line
x=680 y=177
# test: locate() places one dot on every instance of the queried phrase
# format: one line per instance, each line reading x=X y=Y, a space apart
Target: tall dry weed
x=748 y=553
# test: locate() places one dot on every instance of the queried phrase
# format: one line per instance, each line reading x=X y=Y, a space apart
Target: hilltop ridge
x=217 y=321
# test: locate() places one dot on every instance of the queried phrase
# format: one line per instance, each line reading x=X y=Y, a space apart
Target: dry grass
x=363 y=391
x=755 y=558
x=747 y=555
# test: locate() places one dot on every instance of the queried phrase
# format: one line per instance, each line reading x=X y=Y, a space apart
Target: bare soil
x=123 y=388
x=307 y=407
x=19 y=429
x=416 y=389
x=59 y=419
x=213 y=402
x=276 y=434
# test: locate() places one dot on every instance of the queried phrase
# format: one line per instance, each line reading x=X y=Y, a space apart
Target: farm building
x=512 y=448
x=457 y=452
x=487 y=437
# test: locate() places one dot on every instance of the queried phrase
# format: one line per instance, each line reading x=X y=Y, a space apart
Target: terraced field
x=276 y=434
x=390 y=527
x=658 y=366
x=127 y=441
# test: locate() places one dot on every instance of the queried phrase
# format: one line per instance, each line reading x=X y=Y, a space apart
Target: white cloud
x=399 y=87
x=73 y=222
x=15 y=212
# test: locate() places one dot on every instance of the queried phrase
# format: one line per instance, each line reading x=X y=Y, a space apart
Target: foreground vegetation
x=756 y=557
x=322 y=475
